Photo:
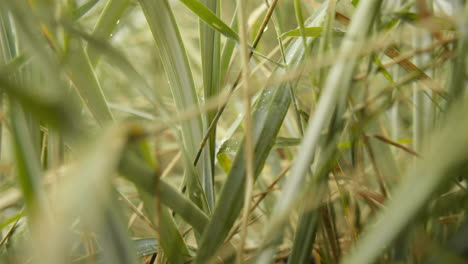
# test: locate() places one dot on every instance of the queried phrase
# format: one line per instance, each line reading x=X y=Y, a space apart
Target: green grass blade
x=174 y=58
x=210 y=58
x=314 y=32
x=412 y=194
x=210 y=18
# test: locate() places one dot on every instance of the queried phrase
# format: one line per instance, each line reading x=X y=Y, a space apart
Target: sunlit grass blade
x=174 y=58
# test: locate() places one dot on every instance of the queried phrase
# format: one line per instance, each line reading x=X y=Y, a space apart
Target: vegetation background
x=208 y=131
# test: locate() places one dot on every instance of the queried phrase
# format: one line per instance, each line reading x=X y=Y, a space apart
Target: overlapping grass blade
x=210 y=58
x=267 y=119
x=174 y=58
x=334 y=92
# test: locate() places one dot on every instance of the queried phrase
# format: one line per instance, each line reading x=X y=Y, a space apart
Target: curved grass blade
x=210 y=18
x=174 y=58
x=335 y=90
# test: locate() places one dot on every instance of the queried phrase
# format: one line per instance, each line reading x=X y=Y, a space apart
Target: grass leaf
x=173 y=55
x=210 y=18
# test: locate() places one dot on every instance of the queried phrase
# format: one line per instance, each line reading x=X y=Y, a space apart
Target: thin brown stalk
x=398 y=145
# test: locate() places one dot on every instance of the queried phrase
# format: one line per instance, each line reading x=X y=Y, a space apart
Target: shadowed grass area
x=208 y=131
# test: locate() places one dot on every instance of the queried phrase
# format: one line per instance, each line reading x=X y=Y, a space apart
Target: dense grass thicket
x=248 y=131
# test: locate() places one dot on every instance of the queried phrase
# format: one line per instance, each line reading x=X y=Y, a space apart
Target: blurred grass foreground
x=209 y=131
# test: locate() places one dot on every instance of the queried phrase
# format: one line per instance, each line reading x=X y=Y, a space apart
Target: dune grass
x=208 y=131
